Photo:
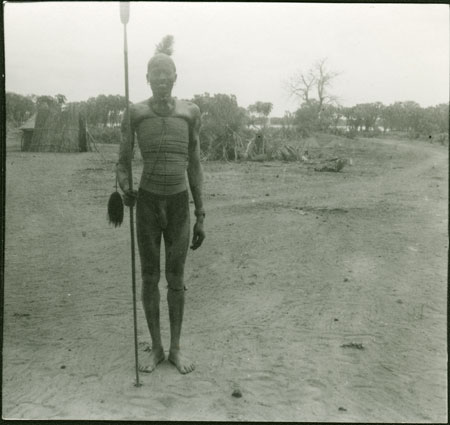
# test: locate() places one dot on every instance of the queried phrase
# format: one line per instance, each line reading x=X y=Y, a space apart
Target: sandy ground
x=319 y=296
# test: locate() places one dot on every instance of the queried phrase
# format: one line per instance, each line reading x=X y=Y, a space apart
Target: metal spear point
x=124 y=17
x=124 y=12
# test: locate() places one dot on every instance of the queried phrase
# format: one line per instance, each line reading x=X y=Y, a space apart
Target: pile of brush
x=334 y=165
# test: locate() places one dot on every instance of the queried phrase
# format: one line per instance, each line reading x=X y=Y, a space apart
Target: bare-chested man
x=167 y=131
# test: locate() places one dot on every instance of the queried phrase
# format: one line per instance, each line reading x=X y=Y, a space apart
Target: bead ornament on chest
x=162 y=107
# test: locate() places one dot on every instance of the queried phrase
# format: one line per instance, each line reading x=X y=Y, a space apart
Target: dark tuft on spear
x=115 y=209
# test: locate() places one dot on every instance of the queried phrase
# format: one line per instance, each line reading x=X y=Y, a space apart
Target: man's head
x=161 y=75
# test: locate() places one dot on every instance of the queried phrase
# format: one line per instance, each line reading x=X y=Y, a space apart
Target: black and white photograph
x=225 y=211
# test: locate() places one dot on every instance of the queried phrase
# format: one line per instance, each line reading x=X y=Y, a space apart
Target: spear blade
x=124 y=12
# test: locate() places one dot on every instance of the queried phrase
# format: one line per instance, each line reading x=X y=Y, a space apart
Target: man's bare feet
x=151 y=360
x=182 y=364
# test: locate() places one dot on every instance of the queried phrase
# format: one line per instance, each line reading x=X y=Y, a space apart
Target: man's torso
x=164 y=144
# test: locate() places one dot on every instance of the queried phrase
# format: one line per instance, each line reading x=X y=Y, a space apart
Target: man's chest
x=163 y=133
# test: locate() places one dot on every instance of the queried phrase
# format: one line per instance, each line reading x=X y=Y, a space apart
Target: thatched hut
x=27 y=133
x=56 y=129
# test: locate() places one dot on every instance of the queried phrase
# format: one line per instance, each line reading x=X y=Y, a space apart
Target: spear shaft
x=124 y=16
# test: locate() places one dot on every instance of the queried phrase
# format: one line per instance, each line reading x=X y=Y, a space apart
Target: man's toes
x=187 y=368
x=145 y=369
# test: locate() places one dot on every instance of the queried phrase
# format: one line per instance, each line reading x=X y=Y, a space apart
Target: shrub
x=222 y=133
x=110 y=135
x=441 y=138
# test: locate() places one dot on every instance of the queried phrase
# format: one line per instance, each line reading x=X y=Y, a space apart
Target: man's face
x=161 y=77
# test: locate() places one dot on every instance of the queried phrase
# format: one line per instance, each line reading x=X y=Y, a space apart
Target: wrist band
x=200 y=213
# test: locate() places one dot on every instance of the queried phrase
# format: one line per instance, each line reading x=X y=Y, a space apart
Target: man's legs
x=149 y=242
x=176 y=241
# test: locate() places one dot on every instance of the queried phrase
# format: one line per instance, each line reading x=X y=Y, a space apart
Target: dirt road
x=319 y=296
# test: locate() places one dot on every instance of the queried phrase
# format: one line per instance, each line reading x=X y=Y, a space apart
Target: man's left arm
x=195 y=177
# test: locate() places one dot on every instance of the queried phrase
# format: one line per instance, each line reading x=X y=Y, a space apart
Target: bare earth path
x=319 y=296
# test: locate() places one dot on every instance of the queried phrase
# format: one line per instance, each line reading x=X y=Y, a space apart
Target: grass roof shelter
x=27 y=133
x=55 y=128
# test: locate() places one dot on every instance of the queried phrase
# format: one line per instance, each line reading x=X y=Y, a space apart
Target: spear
x=124 y=16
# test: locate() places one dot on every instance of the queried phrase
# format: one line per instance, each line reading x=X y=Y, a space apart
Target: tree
x=323 y=82
x=46 y=100
x=439 y=116
x=223 y=125
x=105 y=110
x=336 y=114
x=313 y=90
x=60 y=99
x=18 y=107
x=317 y=79
x=301 y=85
x=367 y=114
x=401 y=116
x=262 y=110
x=308 y=120
x=306 y=117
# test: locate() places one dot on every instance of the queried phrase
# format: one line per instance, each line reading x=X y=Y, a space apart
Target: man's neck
x=162 y=106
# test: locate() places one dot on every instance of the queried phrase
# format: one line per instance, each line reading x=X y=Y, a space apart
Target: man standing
x=167 y=131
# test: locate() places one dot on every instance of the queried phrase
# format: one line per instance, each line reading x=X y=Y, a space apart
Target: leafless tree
x=318 y=77
x=300 y=85
x=324 y=78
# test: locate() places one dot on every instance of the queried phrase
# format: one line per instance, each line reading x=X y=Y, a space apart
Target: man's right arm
x=123 y=168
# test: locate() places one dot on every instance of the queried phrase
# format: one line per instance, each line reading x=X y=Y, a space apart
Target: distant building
x=55 y=129
x=27 y=133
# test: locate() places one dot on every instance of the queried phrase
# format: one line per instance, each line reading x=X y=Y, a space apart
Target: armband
x=200 y=213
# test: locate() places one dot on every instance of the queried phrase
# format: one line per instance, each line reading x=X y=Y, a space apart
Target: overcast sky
x=384 y=52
